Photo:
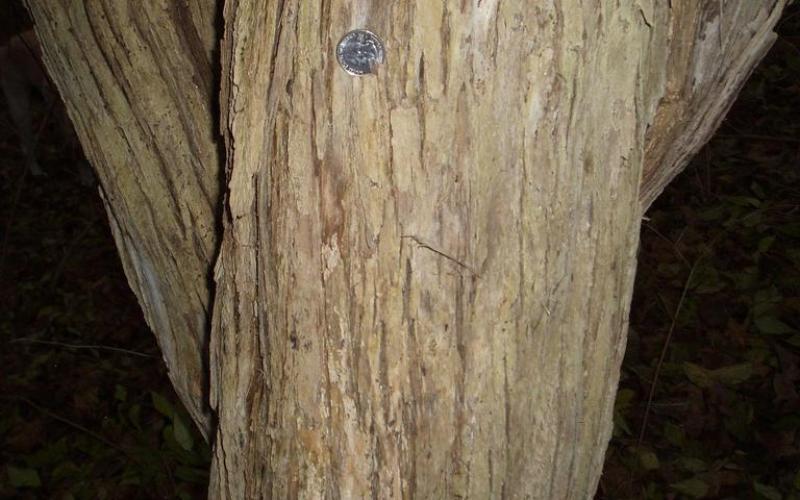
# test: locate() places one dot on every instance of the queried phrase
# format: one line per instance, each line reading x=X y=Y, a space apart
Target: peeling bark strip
x=138 y=84
x=712 y=48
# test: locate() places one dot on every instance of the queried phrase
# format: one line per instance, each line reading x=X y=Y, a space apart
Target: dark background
x=712 y=365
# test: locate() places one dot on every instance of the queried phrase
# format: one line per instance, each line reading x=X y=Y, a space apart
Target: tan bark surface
x=426 y=273
x=424 y=282
x=137 y=79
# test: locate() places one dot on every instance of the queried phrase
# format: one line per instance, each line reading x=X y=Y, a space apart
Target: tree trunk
x=424 y=280
x=138 y=81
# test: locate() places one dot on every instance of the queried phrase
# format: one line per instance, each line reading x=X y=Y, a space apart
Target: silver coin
x=359 y=52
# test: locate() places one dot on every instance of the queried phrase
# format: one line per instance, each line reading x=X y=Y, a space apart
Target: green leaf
x=707 y=280
x=752 y=219
x=182 y=434
x=744 y=201
x=621 y=406
x=66 y=470
x=739 y=421
x=674 y=435
x=120 y=393
x=713 y=213
x=797 y=480
x=758 y=191
x=49 y=454
x=621 y=426
x=191 y=474
x=652 y=492
x=695 y=488
x=693 y=464
x=134 y=415
x=698 y=375
x=732 y=375
x=624 y=398
x=790 y=229
x=130 y=480
x=767 y=491
x=162 y=405
x=649 y=460
x=769 y=295
x=765 y=243
x=184 y=495
x=20 y=477
x=771 y=325
x=131 y=476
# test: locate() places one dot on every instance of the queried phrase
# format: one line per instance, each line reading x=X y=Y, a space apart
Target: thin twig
x=12 y=212
x=72 y=424
x=67 y=252
x=757 y=137
x=785 y=20
x=664 y=351
x=673 y=244
x=81 y=346
x=33 y=53
x=11 y=216
x=452 y=259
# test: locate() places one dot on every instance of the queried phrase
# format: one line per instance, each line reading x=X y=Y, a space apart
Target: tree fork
x=425 y=274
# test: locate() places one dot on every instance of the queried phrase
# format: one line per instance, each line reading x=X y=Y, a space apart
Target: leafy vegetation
x=708 y=404
x=86 y=409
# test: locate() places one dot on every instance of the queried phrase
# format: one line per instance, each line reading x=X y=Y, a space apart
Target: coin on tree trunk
x=359 y=52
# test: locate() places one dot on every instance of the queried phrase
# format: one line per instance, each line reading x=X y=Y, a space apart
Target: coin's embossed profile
x=359 y=52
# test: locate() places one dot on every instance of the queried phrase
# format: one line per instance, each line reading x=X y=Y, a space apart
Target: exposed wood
x=712 y=48
x=138 y=82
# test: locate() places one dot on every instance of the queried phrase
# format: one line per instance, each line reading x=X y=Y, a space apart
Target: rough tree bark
x=423 y=285
x=138 y=82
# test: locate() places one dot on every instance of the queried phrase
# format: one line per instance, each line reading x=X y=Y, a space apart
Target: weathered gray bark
x=425 y=275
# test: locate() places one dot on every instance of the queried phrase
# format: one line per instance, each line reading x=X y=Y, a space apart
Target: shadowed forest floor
x=708 y=404
x=712 y=360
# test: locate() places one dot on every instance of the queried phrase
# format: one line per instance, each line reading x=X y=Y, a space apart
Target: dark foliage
x=708 y=404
